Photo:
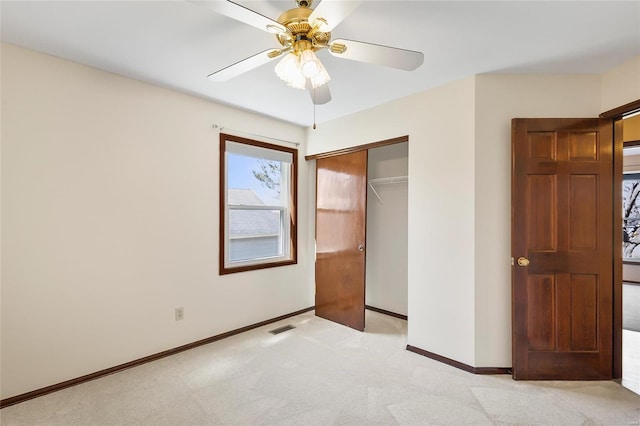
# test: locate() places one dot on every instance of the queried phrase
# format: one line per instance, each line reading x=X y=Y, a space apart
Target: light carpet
x=321 y=373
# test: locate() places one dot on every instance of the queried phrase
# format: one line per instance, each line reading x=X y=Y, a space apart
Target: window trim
x=292 y=208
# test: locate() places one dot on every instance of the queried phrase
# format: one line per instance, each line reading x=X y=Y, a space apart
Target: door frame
x=357 y=148
x=614 y=116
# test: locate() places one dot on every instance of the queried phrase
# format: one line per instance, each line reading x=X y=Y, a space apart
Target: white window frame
x=287 y=244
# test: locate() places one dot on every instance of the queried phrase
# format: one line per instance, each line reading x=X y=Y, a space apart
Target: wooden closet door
x=341 y=211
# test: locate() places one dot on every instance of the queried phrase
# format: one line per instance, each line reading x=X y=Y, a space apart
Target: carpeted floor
x=631 y=307
x=321 y=373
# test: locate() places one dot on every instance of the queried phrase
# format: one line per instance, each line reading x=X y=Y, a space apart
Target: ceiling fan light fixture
x=302 y=32
x=321 y=78
x=309 y=63
x=288 y=69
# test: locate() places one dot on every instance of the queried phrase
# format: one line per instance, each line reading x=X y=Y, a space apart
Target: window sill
x=244 y=268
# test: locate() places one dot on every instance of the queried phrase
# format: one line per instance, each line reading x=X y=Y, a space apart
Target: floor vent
x=282 y=329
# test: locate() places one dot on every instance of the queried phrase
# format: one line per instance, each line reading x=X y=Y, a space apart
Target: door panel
x=562 y=202
x=341 y=200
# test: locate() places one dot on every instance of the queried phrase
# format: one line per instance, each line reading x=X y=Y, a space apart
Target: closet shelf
x=389 y=180
x=386 y=181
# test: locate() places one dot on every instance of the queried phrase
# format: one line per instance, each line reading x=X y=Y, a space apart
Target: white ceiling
x=178 y=43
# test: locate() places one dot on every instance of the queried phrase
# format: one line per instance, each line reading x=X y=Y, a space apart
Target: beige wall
x=110 y=221
x=621 y=85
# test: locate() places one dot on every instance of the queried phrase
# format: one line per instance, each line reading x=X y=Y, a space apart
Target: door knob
x=361 y=247
x=523 y=261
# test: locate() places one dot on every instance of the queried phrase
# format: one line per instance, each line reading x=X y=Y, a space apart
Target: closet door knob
x=361 y=247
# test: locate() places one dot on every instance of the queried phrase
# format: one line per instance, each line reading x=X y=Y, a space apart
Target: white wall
x=386 y=278
x=110 y=221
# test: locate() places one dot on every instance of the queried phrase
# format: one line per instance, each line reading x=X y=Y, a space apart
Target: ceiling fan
x=301 y=32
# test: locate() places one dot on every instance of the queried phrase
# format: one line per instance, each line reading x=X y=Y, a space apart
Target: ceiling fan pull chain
x=314 y=108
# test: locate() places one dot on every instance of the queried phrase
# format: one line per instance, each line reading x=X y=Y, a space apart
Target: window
x=258 y=197
x=631 y=217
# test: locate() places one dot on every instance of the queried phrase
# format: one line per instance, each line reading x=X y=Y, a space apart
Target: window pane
x=253 y=181
x=254 y=234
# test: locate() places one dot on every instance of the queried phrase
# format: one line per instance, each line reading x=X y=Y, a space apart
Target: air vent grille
x=282 y=329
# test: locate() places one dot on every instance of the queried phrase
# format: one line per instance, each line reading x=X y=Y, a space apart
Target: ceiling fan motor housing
x=299 y=30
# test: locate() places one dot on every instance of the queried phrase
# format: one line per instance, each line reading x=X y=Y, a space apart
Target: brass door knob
x=523 y=261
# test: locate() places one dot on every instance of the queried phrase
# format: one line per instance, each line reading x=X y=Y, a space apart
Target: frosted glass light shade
x=288 y=69
x=287 y=66
x=294 y=70
x=321 y=78
x=309 y=63
x=297 y=81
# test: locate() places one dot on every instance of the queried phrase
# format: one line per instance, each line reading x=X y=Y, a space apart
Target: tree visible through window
x=631 y=217
x=258 y=204
x=269 y=175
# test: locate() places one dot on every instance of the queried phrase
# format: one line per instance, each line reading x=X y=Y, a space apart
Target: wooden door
x=341 y=202
x=562 y=226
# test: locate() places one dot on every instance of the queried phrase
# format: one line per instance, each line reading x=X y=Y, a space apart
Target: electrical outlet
x=179 y=314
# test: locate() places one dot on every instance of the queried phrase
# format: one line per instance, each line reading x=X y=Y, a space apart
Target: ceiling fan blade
x=332 y=12
x=392 y=57
x=244 y=14
x=244 y=65
x=320 y=95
